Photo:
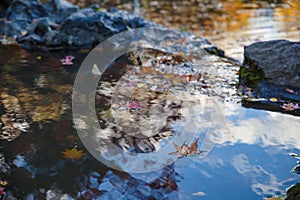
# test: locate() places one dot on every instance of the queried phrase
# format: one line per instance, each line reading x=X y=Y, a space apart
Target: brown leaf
x=73 y=153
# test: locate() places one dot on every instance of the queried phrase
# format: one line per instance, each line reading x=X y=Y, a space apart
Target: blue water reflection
x=250 y=161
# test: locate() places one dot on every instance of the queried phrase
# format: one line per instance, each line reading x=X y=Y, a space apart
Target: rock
x=25 y=10
x=53 y=194
x=58 y=25
x=4 y=169
x=14 y=28
x=61 y=8
x=52 y=38
x=4 y=4
x=276 y=62
x=41 y=26
x=293 y=192
x=30 y=41
x=272 y=70
x=94 y=180
x=88 y=28
x=66 y=197
x=29 y=196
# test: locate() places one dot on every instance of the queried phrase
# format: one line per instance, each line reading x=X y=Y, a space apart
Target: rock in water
x=272 y=70
x=277 y=61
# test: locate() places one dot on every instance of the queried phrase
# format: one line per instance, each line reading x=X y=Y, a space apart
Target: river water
x=250 y=158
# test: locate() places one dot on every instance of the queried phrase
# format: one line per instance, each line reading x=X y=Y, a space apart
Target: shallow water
x=249 y=159
x=230 y=25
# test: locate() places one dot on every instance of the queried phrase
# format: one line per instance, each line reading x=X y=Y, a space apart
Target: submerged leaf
x=73 y=153
x=189 y=151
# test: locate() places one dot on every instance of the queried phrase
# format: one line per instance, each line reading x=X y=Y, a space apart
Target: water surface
x=249 y=160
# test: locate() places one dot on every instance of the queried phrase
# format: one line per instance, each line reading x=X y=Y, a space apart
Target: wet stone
x=105 y=186
x=277 y=59
x=66 y=197
x=4 y=169
x=93 y=182
x=29 y=196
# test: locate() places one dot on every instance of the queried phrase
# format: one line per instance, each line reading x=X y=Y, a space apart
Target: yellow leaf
x=273 y=99
x=3 y=183
x=73 y=153
x=39 y=57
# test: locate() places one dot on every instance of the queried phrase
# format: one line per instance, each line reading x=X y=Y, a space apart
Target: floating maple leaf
x=185 y=150
x=181 y=150
x=73 y=153
x=194 y=148
x=67 y=60
x=290 y=106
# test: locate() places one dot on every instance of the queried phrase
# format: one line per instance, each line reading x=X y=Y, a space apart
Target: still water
x=228 y=24
x=250 y=159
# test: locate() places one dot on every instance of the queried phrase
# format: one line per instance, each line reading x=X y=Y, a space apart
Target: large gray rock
x=272 y=70
x=278 y=60
x=25 y=10
x=14 y=28
x=58 y=24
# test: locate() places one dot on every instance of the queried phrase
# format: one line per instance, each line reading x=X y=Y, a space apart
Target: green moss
x=250 y=77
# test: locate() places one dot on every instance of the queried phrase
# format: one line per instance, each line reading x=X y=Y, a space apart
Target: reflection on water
x=249 y=161
x=228 y=24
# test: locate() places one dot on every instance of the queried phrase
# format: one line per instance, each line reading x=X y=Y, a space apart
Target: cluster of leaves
x=247 y=94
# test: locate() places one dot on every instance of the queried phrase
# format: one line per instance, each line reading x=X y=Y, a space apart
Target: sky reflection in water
x=250 y=159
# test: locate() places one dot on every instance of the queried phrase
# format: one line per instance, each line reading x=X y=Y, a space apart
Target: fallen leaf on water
x=73 y=153
x=180 y=150
x=185 y=150
x=273 y=99
x=67 y=60
x=39 y=57
x=3 y=183
x=290 y=90
x=290 y=106
x=194 y=147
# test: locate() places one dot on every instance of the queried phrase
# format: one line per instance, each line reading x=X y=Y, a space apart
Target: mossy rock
x=294 y=192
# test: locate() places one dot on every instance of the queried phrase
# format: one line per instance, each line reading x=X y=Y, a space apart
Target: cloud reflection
x=262 y=181
x=262 y=128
